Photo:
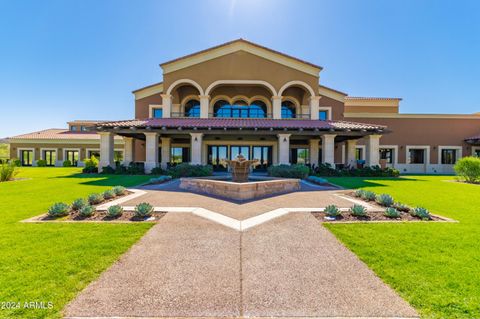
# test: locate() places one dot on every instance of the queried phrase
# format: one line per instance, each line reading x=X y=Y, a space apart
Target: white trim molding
x=254 y=82
x=328 y=109
x=395 y=154
x=152 y=107
x=79 y=162
x=32 y=149
x=364 y=151
x=296 y=83
x=458 y=152
x=185 y=81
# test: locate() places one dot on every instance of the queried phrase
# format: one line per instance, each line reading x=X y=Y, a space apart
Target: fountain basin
x=254 y=188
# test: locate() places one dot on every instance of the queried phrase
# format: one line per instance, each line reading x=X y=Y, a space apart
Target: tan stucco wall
x=337 y=107
x=142 y=105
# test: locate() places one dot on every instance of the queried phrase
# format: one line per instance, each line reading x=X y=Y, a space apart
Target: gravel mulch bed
x=371 y=216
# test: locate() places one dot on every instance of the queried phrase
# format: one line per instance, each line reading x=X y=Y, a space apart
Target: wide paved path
x=186 y=266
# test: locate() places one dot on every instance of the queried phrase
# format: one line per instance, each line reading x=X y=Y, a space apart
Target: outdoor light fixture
x=284 y=139
x=196 y=139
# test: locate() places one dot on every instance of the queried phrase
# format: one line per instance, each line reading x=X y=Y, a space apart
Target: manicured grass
x=4 y=151
x=434 y=266
x=53 y=262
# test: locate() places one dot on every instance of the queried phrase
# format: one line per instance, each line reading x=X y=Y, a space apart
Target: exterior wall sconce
x=196 y=139
x=284 y=139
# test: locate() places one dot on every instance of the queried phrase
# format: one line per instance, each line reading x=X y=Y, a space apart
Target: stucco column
x=277 y=107
x=196 y=144
x=166 y=143
x=151 y=151
x=328 y=149
x=314 y=103
x=127 y=150
x=204 y=103
x=351 y=146
x=314 y=151
x=106 y=150
x=166 y=105
x=373 y=150
x=284 y=149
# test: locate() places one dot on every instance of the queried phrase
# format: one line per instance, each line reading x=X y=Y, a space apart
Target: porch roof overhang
x=473 y=140
x=246 y=126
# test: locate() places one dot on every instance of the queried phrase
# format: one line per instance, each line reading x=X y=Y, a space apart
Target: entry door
x=26 y=157
x=264 y=155
x=244 y=150
x=217 y=154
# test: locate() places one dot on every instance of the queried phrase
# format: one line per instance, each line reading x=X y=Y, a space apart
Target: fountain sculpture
x=240 y=167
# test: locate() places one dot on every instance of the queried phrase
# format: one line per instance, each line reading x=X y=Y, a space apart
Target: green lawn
x=53 y=262
x=434 y=266
x=4 y=151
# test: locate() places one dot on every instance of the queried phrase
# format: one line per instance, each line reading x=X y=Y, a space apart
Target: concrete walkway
x=187 y=266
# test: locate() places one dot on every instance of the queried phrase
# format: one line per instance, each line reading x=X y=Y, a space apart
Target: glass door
x=264 y=155
x=235 y=150
x=26 y=157
x=72 y=156
x=217 y=154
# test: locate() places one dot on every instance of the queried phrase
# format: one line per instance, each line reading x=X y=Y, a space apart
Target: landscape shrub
x=8 y=171
x=325 y=169
x=158 y=171
x=143 y=210
x=391 y=212
x=119 y=190
x=385 y=200
x=108 y=170
x=332 y=211
x=67 y=163
x=91 y=165
x=289 y=171
x=15 y=161
x=87 y=211
x=358 y=210
x=109 y=194
x=135 y=169
x=359 y=193
x=95 y=198
x=401 y=207
x=41 y=163
x=58 y=210
x=369 y=196
x=160 y=179
x=189 y=170
x=421 y=213
x=79 y=203
x=468 y=168
x=114 y=211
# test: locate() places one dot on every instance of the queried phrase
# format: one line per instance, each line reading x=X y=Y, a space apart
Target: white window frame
x=395 y=153
x=328 y=109
x=72 y=149
x=364 y=149
x=152 y=107
x=424 y=147
x=19 y=150
x=458 y=154
x=474 y=148
x=87 y=150
x=49 y=149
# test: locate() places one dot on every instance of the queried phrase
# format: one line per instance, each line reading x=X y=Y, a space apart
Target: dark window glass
x=50 y=157
x=288 y=110
x=157 y=113
x=300 y=156
x=73 y=128
x=240 y=109
x=179 y=155
x=72 y=156
x=476 y=153
x=449 y=156
x=236 y=150
x=118 y=156
x=417 y=156
x=95 y=154
x=192 y=108
x=387 y=154
x=323 y=115
x=26 y=157
x=359 y=154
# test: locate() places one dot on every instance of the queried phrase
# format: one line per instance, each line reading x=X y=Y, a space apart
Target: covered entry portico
x=211 y=140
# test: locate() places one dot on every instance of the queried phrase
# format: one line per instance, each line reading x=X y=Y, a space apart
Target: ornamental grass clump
x=384 y=200
x=87 y=211
x=332 y=211
x=8 y=171
x=95 y=198
x=401 y=207
x=358 y=210
x=421 y=213
x=143 y=210
x=369 y=196
x=359 y=193
x=79 y=203
x=108 y=194
x=119 y=190
x=391 y=212
x=114 y=211
x=58 y=210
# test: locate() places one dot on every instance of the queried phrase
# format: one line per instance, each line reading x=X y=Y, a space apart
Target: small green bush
x=158 y=171
x=41 y=163
x=359 y=193
x=8 y=171
x=67 y=163
x=58 y=210
x=114 y=211
x=160 y=179
x=421 y=213
x=368 y=195
x=119 y=190
x=94 y=199
x=391 y=212
x=358 y=210
x=332 y=211
x=189 y=170
x=108 y=170
x=468 y=168
x=143 y=210
x=384 y=200
x=108 y=194
x=91 y=165
x=87 y=211
x=401 y=207
x=289 y=171
x=79 y=203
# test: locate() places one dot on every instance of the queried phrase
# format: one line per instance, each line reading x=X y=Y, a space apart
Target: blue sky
x=66 y=60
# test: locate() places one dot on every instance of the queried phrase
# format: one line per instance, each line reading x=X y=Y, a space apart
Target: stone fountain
x=240 y=167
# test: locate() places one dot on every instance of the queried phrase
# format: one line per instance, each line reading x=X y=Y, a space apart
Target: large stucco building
x=240 y=97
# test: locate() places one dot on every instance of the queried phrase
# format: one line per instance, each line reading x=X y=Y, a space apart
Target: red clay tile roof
x=57 y=134
x=242 y=123
x=371 y=98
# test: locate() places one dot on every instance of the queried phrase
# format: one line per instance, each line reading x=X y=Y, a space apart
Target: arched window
x=288 y=110
x=192 y=108
x=240 y=109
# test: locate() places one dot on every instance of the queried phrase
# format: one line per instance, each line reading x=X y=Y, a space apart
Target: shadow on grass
x=108 y=180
